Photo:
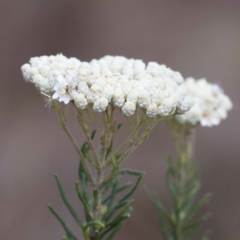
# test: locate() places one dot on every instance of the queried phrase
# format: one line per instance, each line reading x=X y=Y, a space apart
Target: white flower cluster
x=211 y=104
x=125 y=83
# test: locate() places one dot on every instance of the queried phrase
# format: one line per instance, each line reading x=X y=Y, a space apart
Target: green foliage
x=183 y=182
x=69 y=233
x=114 y=209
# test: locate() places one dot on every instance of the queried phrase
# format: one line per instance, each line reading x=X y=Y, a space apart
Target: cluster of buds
x=124 y=83
x=210 y=103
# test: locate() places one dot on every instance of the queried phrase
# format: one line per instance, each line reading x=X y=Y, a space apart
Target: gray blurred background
x=197 y=38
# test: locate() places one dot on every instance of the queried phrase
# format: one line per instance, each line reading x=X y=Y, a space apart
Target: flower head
x=211 y=104
x=124 y=83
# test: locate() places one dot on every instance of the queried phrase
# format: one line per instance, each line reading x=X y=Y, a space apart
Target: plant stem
x=139 y=140
x=70 y=136
x=86 y=132
x=100 y=219
x=106 y=141
x=132 y=134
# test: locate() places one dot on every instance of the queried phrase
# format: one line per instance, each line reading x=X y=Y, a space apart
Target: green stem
x=72 y=140
x=132 y=134
x=139 y=140
x=85 y=129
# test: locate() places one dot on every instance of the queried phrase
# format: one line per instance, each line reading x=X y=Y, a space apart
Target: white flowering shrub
x=145 y=93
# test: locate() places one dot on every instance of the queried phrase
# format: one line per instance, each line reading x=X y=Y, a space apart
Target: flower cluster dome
x=210 y=103
x=125 y=83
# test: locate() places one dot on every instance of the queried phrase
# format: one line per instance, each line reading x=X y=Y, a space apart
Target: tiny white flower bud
x=83 y=88
x=100 y=105
x=167 y=107
x=92 y=97
x=133 y=96
x=144 y=99
x=152 y=110
x=80 y=101
x=118 y=98
x=41 y=82
x=108 y=92
x=185 y=105
x=26 y=71
x=129 y=108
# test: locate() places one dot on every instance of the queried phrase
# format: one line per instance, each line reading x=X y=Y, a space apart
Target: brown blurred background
x=197 y=38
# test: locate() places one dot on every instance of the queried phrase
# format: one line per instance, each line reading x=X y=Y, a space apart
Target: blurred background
x=197 y=38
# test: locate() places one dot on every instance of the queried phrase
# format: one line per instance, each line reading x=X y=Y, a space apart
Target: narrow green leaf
x=191 y=229
x=119 y=189
x=164 y=228
x=85 y=152
x=93 y=134
x=123 y=187
x=162 y=211
x=67 y=203
x=84 y=202
x=114 y=161
x=171 y=184
x=83 y=180
x=97 y=226
x=109 y=150
x=114 y=208
x=69 y=233
x=120 y=204
x=94 y=223
x=112 y=228
x=163 y=223
x=113 y=193
x=195 y=207
x=131 y=172
x=126 y=210
x=84 y=149
x=189 y=198
x=95 y=196
x=119 y=126
x=136 y=173
x=119 y=155
x=115 y=230
x=107 y=187
x=113 y=174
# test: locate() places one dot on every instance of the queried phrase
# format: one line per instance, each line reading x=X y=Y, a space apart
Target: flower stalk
x=182 y=179
x=100 y=167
